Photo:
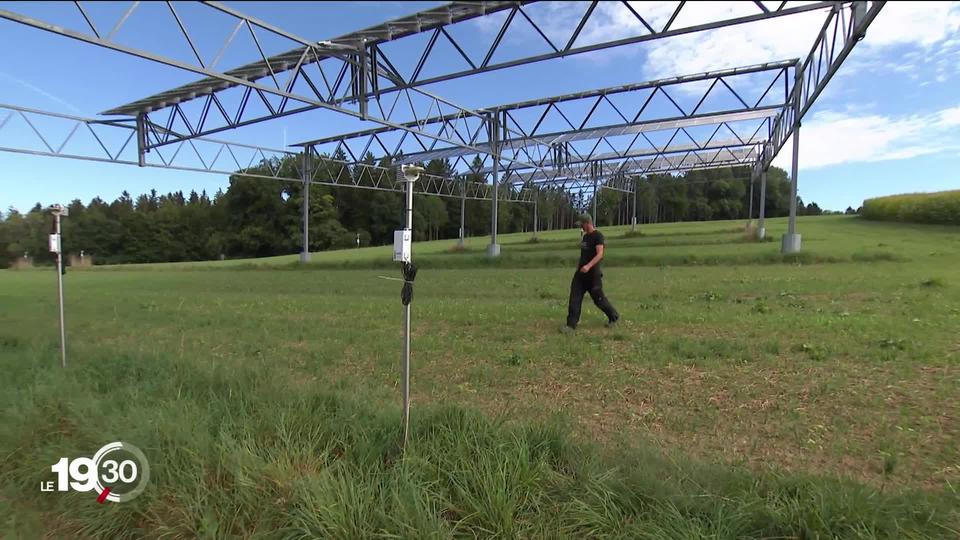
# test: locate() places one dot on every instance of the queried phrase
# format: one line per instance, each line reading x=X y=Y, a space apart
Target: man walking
x=589 y=277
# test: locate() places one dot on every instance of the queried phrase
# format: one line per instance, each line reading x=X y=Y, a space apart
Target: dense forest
x=257 y=217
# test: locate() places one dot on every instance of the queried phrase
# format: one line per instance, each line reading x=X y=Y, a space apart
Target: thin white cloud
x=931 y=27
x=833 y=138
x=914 y=23
x=775 y=39
x=41 y=92
x=905 y=37
x=948 y=118
x=922 y=34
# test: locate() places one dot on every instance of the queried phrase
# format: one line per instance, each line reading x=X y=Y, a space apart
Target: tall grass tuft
x=238 y=451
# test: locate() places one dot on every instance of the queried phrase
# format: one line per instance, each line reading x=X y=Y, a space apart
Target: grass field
x=745 y=394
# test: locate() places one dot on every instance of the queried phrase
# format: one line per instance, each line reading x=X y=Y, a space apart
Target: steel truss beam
x=360 y=70
x=169 y=122
x=367 y=54
x=710 y=153
x=536 y=152
x=356 y=62
x=762 y=101
x=845 y=26
x=595 y=176
x=666 y=162
x=599 y=95
x=609 y=159
x=540 y=150
x=115 y=142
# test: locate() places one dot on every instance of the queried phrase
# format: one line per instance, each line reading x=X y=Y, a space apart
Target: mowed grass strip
x=749 y=400
x=827 y=239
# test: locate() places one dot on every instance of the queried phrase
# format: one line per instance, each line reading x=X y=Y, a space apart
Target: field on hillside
x=744 y=394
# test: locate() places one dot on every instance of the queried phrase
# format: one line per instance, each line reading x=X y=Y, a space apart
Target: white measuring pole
x=403 y=252
x=56 y=246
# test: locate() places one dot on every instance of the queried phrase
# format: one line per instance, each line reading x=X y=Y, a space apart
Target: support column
x=305 y=176
x=405 y=366
x=141 y=139
x=463 y=210
x=790 y=242
x=596 y=195
x=750 y=211
x=636 y=185
x=536 y=212
x=493 y=250
x=761 y=224
x=63 y=332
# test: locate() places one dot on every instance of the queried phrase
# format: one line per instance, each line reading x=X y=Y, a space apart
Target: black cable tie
x=409 y=271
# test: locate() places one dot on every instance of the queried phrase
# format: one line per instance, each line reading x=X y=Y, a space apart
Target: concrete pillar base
x=790 y=243
x=493 y=250
x=304 y=256
x=761 y=233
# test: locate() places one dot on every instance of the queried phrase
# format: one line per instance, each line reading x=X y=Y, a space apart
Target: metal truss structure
x=564 y=156
x=41 y=133
x=378 y=77
x=538 y=147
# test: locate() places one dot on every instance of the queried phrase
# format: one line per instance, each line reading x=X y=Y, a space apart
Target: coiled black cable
x=409 y=271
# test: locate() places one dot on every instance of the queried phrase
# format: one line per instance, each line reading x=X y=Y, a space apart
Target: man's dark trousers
x=591 y=282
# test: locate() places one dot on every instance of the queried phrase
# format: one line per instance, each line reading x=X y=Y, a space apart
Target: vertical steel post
x=362 y=82
x=636 y=185
x=493 y=250
x=463 y=210
x=792 y=224
x=596 y=193
x=63 y=332
x=750 y=211
x=791 y=241
x=536 y=212
x=305 y=174
x=761 y=225
x=141 y=139
x=405 y=367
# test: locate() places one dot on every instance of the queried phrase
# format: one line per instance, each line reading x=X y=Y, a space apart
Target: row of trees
x=257 y=217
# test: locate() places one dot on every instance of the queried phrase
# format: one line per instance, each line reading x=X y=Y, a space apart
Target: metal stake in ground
x=56 y=246
x=402 y=252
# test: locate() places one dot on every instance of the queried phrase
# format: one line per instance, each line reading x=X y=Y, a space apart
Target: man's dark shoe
x=613 y=323
x=567 y=330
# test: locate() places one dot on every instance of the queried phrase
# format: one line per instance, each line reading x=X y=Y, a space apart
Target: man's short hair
x=584 y=218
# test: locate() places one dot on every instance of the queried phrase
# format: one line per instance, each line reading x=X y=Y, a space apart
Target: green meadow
x=745 y=394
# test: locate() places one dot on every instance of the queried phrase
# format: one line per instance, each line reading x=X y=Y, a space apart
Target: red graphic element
x=103 y=495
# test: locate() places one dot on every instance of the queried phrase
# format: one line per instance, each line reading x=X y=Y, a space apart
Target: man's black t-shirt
x=588 y=246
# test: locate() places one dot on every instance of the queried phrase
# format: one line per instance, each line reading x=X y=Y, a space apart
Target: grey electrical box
x=402 y=245
x=54 y=243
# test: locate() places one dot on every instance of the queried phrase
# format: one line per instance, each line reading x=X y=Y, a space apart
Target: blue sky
x=888 y=123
